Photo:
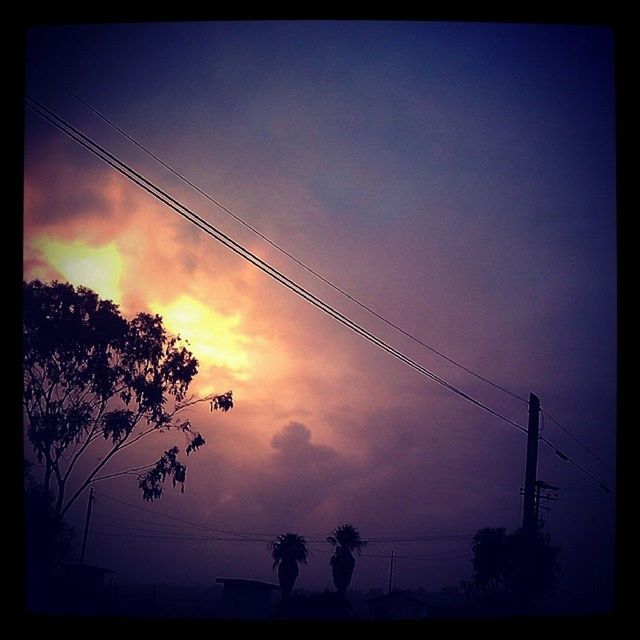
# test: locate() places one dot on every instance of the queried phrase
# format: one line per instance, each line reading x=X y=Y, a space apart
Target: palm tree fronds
x=347 y=537
x=289 y=547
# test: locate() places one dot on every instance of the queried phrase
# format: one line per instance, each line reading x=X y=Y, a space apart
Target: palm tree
x=345 y=539
x=287 y=551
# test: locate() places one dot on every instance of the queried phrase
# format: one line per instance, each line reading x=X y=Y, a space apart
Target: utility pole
x=529 y=520
x=536 y=503
x=92 y=498
x=528 y=511
x=391 y=572
x=544 y=493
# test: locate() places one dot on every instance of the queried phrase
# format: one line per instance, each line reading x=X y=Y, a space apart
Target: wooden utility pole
x=544 y=493
x=528 y=511
x=529 y=519
x=391 y=572
x=92 y=497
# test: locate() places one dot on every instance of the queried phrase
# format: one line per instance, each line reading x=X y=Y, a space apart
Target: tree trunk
x=342 y=565
x=287 y=574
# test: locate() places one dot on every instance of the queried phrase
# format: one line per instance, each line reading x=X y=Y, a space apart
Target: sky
x=457 y=178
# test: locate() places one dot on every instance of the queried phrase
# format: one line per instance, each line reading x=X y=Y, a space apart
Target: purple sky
x=457 y=178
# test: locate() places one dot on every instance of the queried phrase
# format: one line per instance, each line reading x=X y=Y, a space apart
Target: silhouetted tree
x=96 y=384
x=46 y=543
x=345 y=539
x=498 y=568
x=287 y=551
x=492 y=560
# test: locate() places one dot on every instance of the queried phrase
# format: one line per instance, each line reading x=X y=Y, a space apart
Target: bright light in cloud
x=211 y=336
x=99 y=268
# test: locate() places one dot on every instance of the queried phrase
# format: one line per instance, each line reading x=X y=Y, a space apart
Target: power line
x=205 y=226
x=177 y=519
x=152 y=529
x=189 y=528
x=154 y=537
x=252 y=536
x=276 y=246
x=380 y=539
x=420 y=539
x=427 y=557
x=212 y=231
x=566 y=458
x=142 y=521
x=584 y=446
x=104 y=520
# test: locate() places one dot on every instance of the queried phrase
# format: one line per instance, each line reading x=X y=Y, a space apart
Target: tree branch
x=117 y=447
x=190 y=402
x=47 y=475
x=34 y=380
x=122 y=473
x=61 y=486
x=140 y=435
x=87 y=442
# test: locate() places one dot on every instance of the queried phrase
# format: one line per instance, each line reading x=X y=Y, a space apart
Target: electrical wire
x=177 y=519
x=253 y=536
x=195 y=219
x=275 y=245
x=566 y=458
x=584 y=446
x=427 y=557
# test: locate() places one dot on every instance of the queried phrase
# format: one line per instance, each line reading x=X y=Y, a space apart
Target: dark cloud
x=286 y=488
x=296 y=478
x=295 y=439
x=56 y=167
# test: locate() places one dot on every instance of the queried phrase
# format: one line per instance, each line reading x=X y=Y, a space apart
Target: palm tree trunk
x=342 y=565
x=287 y=574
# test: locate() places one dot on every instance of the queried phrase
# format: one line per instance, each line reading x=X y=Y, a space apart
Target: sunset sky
x=458 y=178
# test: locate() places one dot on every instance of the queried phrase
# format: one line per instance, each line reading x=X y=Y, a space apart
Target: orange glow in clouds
x=98 y=268
x=211 y=336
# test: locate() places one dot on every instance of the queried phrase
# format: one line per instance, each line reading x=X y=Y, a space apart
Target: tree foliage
x=47 y=543
x=289 y=547
x=287 y=551
x=345 y=539
x=91 y=376
x=499 y=566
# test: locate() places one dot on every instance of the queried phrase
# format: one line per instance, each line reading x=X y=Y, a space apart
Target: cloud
x=295 y=453
x=291 y=485
x=64 y=186
x=298 y=476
